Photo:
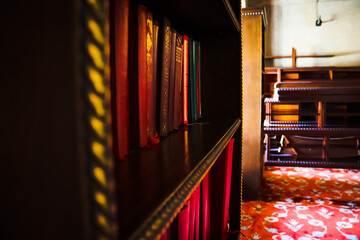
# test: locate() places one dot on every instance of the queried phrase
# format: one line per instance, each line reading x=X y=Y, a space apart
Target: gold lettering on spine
x=166 y=77
x=149 y=36
x=149 y=63
x=178 y=54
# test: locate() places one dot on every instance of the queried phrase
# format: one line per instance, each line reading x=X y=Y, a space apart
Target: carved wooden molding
x=96 y=116
x=161 y=219
x=314 y=131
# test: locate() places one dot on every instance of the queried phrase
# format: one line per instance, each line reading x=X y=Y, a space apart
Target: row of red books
x=155 y=78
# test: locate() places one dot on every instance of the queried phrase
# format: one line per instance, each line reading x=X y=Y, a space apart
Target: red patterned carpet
x=305 y=204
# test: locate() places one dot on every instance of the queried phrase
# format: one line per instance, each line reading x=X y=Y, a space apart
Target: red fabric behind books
x=197 y=214
x=205 y=204
x=220 y=193
x=164 y=236
x=205 y=208
x=194 y=215
x=184 y=222
x=185 y=79
x=227 y=185
x=119 y=78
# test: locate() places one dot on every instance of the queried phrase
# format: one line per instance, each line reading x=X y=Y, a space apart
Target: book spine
x=194 y=93
x=190 y=83
x=150 y=75
x=178 y=78
x=119 y=78
x=155 y=73
x=165 y=74
x=142 y=15
x=137 y=77
x=185 y=85
x=198 y=76
x=172 y=81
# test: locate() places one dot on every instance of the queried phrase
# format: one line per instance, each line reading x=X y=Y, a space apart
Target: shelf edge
x=162 y=217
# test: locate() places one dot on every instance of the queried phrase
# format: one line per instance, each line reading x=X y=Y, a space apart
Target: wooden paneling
x=252 y=103
x=41 y=143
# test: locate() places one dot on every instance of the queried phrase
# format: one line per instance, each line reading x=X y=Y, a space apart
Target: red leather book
x=137 y=76
x=155 y=73
x=185 y=82
x=119 y=25
x=172 y=81
x=150 y=75
x=178 y=80
x=165 y=75
x=193 y=81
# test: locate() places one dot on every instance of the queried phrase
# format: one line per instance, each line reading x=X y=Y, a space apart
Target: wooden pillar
x=278 y=75
x=293 y=57
x=252 y=145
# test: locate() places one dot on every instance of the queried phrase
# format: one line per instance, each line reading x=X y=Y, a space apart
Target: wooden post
x=278 y=75
x=293 y=57
x=326 y=148
x=267 y=150
x=321 y=116
x=268 y=112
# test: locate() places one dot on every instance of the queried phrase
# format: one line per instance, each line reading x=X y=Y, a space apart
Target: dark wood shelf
x=344 y=114
x=313 y=145
x=312 y=69
x=152 y=184
x=292 y=125
x=313 y=131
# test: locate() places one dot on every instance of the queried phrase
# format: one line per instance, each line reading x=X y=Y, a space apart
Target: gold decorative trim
x=161 y=219
x=96 y=90
x=242 y=114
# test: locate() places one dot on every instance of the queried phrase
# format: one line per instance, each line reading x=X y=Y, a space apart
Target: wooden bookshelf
x=153 y=184
x=61 y=180
x=254 y=23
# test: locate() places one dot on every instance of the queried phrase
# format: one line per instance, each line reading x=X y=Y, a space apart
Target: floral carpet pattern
x=304 y=204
